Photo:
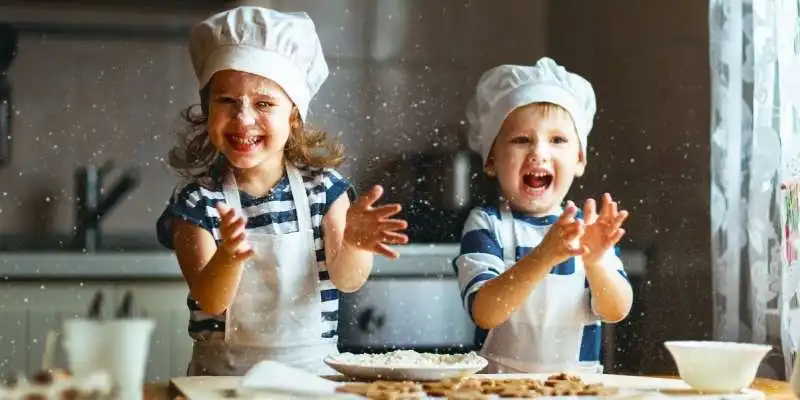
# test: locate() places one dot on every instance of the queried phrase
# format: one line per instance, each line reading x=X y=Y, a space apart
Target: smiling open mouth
x=538 y=180
x=244 y=143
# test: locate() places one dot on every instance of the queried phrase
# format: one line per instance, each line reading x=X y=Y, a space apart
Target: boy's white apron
x=276 y=313
x=544 y=334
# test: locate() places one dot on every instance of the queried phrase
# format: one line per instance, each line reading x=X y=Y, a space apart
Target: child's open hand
x=231 y=228
x=371 y=228
x=602 y=231
x=562 y=241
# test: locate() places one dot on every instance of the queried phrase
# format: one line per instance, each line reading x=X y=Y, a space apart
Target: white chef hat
x=504 y=88
x=283 y=47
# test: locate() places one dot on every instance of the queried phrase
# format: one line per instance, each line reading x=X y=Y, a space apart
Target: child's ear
x=580 y=167
x=489 y=168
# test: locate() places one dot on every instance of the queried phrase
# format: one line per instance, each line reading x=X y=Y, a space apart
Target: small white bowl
x=709 y=366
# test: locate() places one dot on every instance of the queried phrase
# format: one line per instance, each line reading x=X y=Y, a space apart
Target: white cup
x=119 y=347
x=83 y=346
x=128 y=342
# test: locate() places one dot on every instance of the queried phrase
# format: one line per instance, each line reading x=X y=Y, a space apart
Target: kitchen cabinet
x=42 y=289
x=29 y=310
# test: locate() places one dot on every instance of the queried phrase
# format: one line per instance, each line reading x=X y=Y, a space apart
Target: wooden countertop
x=781 y=390
x=773 y=389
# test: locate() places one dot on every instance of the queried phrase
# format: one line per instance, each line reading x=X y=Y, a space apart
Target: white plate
x=404 y=373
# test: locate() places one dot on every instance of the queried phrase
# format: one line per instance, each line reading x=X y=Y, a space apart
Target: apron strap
x=230 y=190
x=300 y=198
x=507 y=239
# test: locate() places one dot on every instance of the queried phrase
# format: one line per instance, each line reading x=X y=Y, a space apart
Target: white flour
x=409 y=358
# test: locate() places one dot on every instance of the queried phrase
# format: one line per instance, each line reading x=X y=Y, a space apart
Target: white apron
x=276 y=313
x=544 y=334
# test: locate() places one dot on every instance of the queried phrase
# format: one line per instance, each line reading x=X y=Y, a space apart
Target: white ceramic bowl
x=709 y=366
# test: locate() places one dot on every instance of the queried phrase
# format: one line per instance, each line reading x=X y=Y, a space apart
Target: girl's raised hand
x=232 y=229
x=372 y=228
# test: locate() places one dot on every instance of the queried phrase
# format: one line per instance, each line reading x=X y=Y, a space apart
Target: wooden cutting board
x=223 y=387
x=205 y=387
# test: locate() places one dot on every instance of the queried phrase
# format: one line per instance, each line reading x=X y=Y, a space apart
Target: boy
x=531 y=272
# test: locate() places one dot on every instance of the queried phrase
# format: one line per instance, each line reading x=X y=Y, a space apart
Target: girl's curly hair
x=194 y=157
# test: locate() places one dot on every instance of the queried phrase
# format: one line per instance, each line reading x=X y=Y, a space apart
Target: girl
x=263 y=234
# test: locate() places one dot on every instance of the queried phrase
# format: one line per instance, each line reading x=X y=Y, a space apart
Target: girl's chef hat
x=283 y=47
x=504 y=88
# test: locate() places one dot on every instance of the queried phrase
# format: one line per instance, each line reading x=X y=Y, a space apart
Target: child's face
x=535 y=158
x=248 y=118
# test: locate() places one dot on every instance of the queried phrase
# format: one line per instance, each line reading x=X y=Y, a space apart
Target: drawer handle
x=370 y=321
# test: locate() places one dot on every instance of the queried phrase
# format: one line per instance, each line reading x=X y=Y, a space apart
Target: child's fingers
x=236 y=248
x=576 y=223
x=370 y=197
x=615 y=222
x=236 y=243
x=605 y=211
x=590 y=211
x=621 y=217
x=569 y=213
x=222 y=208
x=238 y=237
x=385 y=251
x=613 y=207
x=246 y=254
x=386 y=211
x=577 y=250
x=394 y=238
x=229 y=217
x=231 y=223
x=616 y=236
x=243 y=253
x=572 y=233
x=613 y=238
x=392 y=225
x=569 y=231
x=234 y=229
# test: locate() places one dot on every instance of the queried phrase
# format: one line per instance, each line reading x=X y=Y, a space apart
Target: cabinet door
x=170 y=345
x=30 y=310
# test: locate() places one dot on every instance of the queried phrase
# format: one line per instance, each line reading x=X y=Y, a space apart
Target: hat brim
x=265 y=63
x=529 y=94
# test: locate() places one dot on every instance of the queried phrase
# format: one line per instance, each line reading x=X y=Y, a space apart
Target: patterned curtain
x=790 y=284
x=755 y=139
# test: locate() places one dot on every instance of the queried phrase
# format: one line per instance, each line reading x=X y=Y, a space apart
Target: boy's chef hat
x=504 y=88
x=283 y=47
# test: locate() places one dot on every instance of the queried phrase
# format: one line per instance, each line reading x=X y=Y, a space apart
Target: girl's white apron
x=276 y=313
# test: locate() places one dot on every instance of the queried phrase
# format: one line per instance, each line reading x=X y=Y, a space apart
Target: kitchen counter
x=415 y=260
x=40 y=289
x=772 y=389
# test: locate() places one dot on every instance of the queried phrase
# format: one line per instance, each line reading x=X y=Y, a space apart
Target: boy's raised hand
x=372 y=228
x=603 y=231
x=562 y=241
x=231 y=227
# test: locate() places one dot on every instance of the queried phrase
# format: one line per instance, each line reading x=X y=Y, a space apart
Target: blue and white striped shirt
x=274 y=213
x=481 y=259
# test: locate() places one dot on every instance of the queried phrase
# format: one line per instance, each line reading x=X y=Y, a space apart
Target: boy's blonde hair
x=547 y=110
x=194 y=155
